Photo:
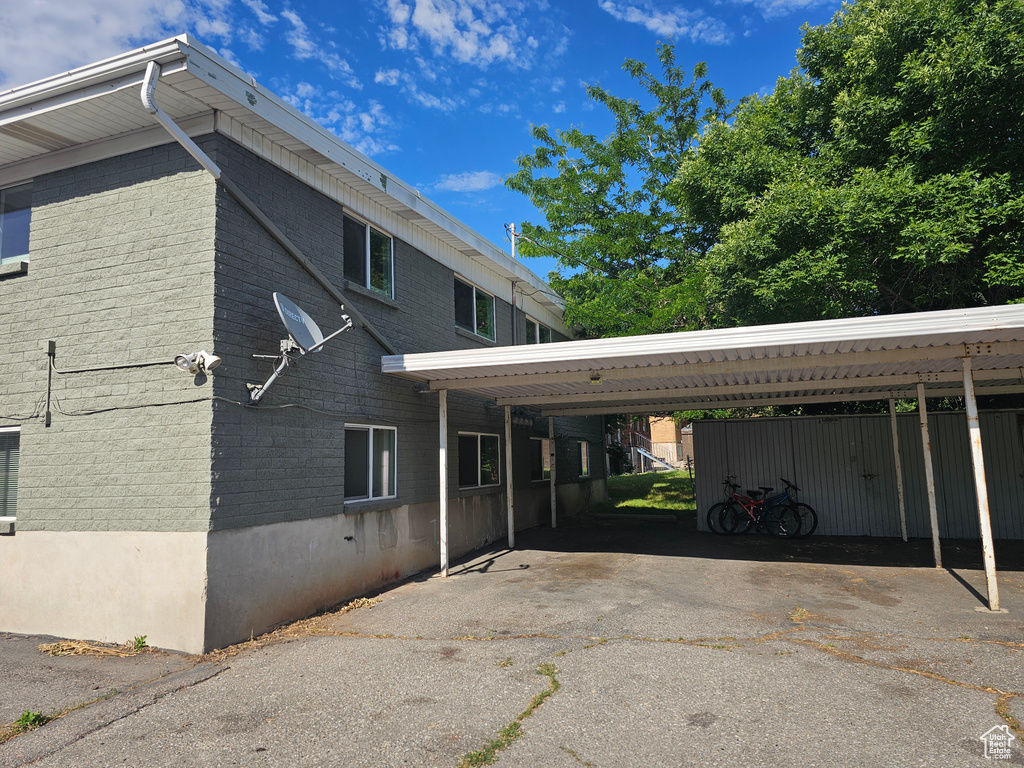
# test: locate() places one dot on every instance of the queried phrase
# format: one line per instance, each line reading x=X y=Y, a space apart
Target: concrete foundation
x=108 y=586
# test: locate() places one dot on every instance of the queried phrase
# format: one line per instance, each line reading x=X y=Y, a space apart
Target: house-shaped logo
x=997 y=742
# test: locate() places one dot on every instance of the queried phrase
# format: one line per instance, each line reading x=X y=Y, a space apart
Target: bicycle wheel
x=783 y=522
x=808 y=519
x=714 y=519
x=735 y=518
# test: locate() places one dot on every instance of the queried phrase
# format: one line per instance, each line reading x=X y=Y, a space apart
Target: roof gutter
x=149 y=102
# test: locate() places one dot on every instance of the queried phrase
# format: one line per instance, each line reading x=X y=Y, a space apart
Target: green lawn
x=652 y=493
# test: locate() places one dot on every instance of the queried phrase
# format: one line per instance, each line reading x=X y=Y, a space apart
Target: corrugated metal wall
x=845 y=468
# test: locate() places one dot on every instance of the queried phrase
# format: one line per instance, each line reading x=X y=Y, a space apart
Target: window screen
x=9 y=450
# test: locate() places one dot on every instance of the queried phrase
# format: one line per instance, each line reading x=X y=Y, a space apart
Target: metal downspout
x=149 y=102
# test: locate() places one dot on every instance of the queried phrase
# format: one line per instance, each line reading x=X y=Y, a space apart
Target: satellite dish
x=301 y=327
x=304 y=335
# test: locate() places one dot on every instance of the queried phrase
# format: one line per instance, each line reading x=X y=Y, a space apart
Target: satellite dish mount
x=304 y=337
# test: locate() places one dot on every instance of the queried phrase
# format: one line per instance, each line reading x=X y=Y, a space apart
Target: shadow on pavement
x=683 y=540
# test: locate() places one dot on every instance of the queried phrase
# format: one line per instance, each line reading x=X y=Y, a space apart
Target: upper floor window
x=15 y=215
x=537 y=333
x=10 y=440
x=369 y=257
x=474 y=310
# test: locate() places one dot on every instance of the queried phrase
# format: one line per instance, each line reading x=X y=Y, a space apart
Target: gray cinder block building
x=151 y=206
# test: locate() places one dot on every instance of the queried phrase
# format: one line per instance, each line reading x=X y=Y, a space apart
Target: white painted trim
x=929 y=474
x=509 y=501
x=980 y=486
x=368 y=428
x=442 y=455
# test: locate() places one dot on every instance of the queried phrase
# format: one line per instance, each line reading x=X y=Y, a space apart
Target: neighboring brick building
x=138 y=500
x=670 y=441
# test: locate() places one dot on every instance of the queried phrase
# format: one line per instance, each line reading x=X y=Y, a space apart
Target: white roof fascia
x=95 y=75
x=921 y=329
x=230 y=81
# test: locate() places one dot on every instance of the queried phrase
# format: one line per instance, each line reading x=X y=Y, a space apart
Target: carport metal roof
x=870 y=358
x=955 y=352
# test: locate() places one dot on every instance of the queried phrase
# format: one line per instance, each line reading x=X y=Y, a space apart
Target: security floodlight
x=197 y=362
x=206 y=361
x=187 y=363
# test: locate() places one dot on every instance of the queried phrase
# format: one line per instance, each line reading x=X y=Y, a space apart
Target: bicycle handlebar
x=790 y=484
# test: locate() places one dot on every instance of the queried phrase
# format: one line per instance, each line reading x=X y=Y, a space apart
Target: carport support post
x=980 y=486
x=899 y=468
x=508 y=479
x=929 y=474
x=443 y=469
x=551 y=462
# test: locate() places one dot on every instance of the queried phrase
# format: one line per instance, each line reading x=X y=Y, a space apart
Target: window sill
x=358 y=506
x=475 y=337
x=481 y=491
x=7 y=525
x=350 y=287
x=13 y=269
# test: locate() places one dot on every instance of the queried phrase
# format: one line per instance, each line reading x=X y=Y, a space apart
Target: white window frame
x=583 y=451
x=479 y=460
x=478 y=291
x=369 y=428
x=370 y=229
x=10 y=258
x=545 y=453
x=12 y=518
x=534 y=335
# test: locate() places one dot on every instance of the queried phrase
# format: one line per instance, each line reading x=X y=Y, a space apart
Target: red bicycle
x=740 y=513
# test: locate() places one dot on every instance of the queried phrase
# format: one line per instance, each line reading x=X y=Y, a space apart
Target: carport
x=927 y=354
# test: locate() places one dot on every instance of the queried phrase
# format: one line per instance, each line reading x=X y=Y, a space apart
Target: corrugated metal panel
x=845 y=468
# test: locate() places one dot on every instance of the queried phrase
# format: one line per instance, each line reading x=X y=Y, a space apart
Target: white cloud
x=775 y=8
x=407 y=85
x=470 y=181
x=45 y=37
x=306 y=47
x=366 y=127
x=387 y=76
x=262 y=12
x=559 y=108
x=478 y=32
x=674 y=22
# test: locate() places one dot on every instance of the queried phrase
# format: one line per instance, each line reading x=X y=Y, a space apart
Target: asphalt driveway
x=596 y=645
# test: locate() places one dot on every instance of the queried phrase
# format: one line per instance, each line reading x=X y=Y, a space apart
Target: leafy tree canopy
x=624 y=249
x=883 y=175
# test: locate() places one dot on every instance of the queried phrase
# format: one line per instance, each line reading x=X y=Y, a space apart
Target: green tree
x=627 y=258
x=883 y=176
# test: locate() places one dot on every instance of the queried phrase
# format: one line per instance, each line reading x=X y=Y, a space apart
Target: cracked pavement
x=750 y=652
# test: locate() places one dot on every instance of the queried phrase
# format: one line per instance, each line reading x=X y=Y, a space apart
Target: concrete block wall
x=120 y=272
x=114 y=496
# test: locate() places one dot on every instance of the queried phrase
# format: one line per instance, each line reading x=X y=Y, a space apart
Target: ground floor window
x=474 y=310
x=370 y=467
x=10 y=440
x=540 y=459
x=584 y=449
x=479 y=460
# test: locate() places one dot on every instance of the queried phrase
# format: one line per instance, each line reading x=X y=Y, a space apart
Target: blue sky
x=442 y=93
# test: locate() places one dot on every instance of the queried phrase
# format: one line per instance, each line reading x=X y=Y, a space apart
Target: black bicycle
x=781 y=515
